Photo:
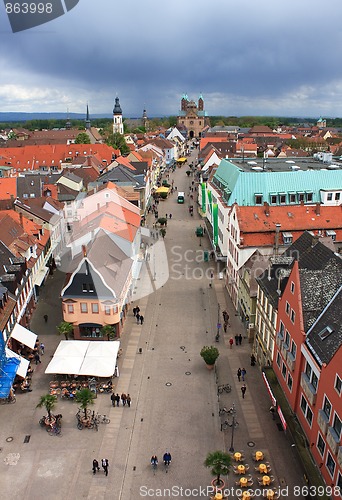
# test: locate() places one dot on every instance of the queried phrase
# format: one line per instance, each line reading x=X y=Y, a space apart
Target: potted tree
x=49 y=401
x=219 y=463
x=65 y=328
x=209 y=355
x=108 y=331
x=85 y=397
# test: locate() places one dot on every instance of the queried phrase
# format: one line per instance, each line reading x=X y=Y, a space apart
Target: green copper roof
x=241 y=186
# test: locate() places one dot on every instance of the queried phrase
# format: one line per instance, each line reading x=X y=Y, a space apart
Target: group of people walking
x=139 y=317
x=104 y=464
x=125 y=399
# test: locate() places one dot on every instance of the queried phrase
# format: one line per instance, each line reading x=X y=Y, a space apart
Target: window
x=95 y=308
x=337 y=196
x=84 y=287
x=301 y=197
x=326 y=407
x=287 y=238
x=289 y=382
x=282 y=198
x=337 y=425
x=287 y=308
x=338 y=385
x=292 y=287
x=330 y=464
x=281 y=328
x=293 y=350
x=314 y=381
x=308 y=371
x=84 y=307
x=309 y=416
x=303 y=404
x=70 y=308
x=278 y=359
x=320 y=444
x=283 y=370
x=107 y=310
x=273 y=199
x=309 y=197
x=329 y=197
x=287 y=339
x=258 y=199
x=292 y=198
x=293 y=316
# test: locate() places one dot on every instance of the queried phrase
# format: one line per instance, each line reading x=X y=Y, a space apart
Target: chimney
x=318 y=209
x=277 y=230
x=266 y=208
x=21 y=222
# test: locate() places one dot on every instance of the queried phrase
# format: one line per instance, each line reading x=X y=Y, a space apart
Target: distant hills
x=22 y=117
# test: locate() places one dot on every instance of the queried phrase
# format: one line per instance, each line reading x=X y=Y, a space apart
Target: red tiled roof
x=8 y=187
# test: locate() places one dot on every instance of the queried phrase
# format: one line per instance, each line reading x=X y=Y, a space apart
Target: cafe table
x=241 y=469
x=259 y=455
x=237 y=456
x=246 y=495
x=266 y=480
x=243 y=482
x=263 y=468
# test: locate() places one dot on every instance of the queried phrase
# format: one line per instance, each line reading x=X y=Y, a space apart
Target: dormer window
x=287 y=238
x=258 y=199
x=323 y=334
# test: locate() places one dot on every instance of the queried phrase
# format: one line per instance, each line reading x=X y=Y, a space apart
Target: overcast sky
x=270 y=57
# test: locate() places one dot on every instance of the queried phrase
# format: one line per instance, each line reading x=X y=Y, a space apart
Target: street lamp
x=233 y=425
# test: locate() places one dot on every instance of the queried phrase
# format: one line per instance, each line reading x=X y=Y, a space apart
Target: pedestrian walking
x=239 y=374
x=225 y=324
x=253 y=360
x=170 y=216
x=165 y=216
x=231 y=342
x=240 y=339
x=243 y=390
x=273 y=412
x=105 y=464
x=236 y=339
x=134 y=311
x=42 y=349
x=37 y=358
x=117 y=399
x=137 y=310
x=112 y=398
x=141 y=319
x=138 y=318
x=128 y=400
x=123 y=399
x=95 y=466
x=46 y=317
x=243 y=374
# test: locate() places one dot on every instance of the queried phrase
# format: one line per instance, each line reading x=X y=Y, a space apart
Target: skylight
x=323 y=334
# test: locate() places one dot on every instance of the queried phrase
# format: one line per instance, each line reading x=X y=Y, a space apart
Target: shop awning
x=23 y=363
x=8 y=371
x=39 y=277
x=162 y=189
x=81 y=357
x=23 y=335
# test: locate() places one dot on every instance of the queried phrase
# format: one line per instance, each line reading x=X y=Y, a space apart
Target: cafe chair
x=246 y=466
x=272 y=479
x=250 y=482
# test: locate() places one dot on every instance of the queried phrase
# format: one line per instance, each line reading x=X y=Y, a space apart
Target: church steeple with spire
x=117 y=118
x=87 y=120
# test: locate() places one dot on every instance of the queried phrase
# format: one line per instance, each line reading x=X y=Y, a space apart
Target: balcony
x=308 y=389
x=333 y=440
x=323 y=422
x=291 y=361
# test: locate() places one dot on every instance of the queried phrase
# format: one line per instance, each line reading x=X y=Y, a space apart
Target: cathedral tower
x=117 y=118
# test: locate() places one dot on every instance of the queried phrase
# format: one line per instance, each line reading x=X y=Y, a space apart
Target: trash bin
x=206 y=256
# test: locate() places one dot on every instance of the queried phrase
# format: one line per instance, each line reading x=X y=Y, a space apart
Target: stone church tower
x=117 y=118
x=192 y=116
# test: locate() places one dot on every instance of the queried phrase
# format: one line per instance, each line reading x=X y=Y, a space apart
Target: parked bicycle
x=9 y=400
x=224 y=388
x=54 y=430
x=101 y=419
x=226 y=424
x=229 y=411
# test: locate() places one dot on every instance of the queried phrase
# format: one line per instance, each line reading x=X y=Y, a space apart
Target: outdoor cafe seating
x=265 y=480
x=241 y=468
x=258 y=456
x=271 y=494
x=238 y=456
x=246 y=495
x=263 y=468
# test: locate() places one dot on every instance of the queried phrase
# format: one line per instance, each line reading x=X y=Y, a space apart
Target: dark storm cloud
x=270 y=57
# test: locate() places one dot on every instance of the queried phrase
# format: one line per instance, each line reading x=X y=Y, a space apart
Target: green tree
x=108 y=331
x=49 y=401
x=82 y=138
x=65 y=328
x=117 y=141
x=85 y=397
x=219 y=463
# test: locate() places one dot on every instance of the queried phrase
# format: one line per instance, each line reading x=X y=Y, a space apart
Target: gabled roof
x=324 y=339
x=8 y=188
x=39 y=207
